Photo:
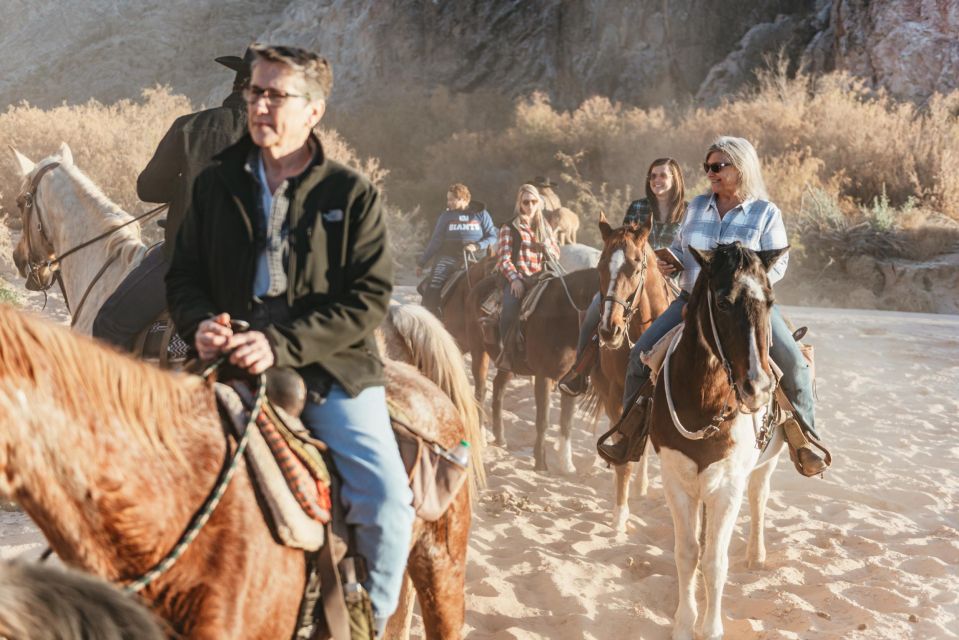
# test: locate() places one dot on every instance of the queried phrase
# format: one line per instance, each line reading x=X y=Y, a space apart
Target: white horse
x=62 y=209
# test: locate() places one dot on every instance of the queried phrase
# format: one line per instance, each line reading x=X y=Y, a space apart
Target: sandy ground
x=871 y=551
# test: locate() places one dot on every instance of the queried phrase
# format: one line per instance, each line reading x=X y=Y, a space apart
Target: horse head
x=732 y=301
x=622 y=273
x=35 y=254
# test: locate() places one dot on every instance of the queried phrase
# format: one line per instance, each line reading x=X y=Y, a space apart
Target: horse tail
x=40 y=601
x=437 y=356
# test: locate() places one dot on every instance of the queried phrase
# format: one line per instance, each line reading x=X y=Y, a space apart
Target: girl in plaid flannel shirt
x=525 y=245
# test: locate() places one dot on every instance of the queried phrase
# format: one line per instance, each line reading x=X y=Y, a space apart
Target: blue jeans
x=136 y=303
x=796 y=381
x=590 y=323
x=510 y=313
x=637 y=373
x=375 y=488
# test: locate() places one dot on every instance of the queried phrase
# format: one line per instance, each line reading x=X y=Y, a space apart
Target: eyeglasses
x=252 y=95
x=715 y=167
x=529 y=202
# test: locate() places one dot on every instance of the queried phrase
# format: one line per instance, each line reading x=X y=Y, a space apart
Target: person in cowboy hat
x=185 y=150
x=545 y=186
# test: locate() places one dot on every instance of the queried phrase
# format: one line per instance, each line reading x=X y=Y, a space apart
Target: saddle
x=298 y=488
x=782 y=407
x=492 y=306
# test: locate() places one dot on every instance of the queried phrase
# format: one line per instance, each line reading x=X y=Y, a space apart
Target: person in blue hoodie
x=464 y=226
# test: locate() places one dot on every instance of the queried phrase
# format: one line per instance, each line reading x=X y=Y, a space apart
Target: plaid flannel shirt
x=530 y=259
x=757 y=224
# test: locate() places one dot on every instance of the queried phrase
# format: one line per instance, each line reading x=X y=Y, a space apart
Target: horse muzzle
x=755 y=392
x=611 y=337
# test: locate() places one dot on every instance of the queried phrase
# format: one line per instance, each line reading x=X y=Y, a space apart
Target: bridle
x=28 y=205
x=629 y=305
x=728 y=411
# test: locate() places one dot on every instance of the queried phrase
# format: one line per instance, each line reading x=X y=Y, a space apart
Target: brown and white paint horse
x=718 y=366
x=111 y=457
x=634 y=294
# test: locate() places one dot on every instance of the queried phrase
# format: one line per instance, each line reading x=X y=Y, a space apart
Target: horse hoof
x=756 y=564
x=620 y=518
x=500 y=442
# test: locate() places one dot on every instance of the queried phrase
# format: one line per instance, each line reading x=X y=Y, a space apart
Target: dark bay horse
x=634 y=294
x=718 y=366
x=550 y=337
x=111 y=457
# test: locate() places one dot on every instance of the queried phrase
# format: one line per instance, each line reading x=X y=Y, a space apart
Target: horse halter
x=712 y=428
x=27 y=204
x=629 y=305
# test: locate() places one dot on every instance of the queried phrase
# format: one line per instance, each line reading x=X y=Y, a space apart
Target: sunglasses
x=715 y=167
x=529 y=202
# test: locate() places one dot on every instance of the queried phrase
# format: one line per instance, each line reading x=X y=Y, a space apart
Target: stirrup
x=631 y=446
x=807 y=460
x=573 y=384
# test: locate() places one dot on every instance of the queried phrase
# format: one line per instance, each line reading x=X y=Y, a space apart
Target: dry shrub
x=110 y=143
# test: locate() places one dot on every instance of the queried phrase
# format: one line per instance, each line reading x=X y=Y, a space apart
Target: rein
x=727 y=412
x=28 y=204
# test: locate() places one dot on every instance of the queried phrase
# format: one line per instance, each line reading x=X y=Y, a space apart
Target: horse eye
x=723 y=303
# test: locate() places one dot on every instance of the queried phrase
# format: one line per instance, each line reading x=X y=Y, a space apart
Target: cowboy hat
x=238 y=64
x=540 y=182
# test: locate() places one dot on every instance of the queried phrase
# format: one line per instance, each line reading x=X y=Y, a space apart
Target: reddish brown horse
x=550 y=337
x=634 y=294
x=111 y=457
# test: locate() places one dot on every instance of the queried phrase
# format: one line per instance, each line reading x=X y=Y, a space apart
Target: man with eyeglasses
x=294 y=243
x=185 y=150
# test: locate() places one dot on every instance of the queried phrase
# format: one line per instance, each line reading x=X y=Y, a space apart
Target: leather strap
x=334 y=601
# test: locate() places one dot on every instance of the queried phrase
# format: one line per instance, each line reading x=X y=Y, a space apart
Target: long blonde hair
x=538 y=223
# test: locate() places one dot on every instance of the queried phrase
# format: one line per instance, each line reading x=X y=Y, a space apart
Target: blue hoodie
x=455 y=229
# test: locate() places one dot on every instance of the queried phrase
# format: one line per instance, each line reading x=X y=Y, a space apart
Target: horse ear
x=604 y=229
x=704 y=258
x=641 y=227
x=66 y=156
x=24 y=164
x=771 y=257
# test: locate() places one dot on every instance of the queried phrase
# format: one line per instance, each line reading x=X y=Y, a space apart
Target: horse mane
x=114 y=215
x=46 y=603
x=86 y=378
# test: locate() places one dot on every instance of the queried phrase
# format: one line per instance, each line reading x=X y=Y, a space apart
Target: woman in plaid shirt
x=525 y=245
x=737 y=209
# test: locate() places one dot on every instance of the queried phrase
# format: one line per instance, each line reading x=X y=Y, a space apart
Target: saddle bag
x=435 y=476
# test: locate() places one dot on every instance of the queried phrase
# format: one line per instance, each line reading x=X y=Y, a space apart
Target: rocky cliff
x=642 y=52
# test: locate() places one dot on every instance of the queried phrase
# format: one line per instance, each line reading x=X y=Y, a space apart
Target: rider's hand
x=665 y=268
x=212 y=336
x=516 y=288
x=251 y=351
x=471 y=247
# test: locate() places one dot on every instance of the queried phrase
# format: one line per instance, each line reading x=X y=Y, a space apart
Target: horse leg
x=480 y=366
x=758 y=495
x=678 y=473
x=722 y=505
x=542 y=386
x=499 y=388
x=437 y=566
x=398 y=628
x=567 y=405
x=621 y=511
x=642 y=473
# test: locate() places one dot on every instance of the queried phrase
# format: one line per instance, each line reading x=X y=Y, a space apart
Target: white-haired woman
x=526 y=244
x=736 y=208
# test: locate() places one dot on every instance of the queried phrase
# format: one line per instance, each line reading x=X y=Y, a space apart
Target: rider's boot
x=804 y=457
x=576 y=380
x=633 y=428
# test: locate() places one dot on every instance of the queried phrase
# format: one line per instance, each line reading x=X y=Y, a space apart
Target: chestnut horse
x=634 y=294
x=551 y=333
x=111 y=457
x=708 y=416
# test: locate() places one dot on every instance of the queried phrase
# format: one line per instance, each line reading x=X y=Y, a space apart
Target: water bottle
x=460 y=454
